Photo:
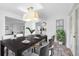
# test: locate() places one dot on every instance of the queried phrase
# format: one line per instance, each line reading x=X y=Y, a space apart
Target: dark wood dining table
x=16 y=45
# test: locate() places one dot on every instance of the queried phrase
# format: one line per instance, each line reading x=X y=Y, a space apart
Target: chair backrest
x=44 y=51
x=68 y=52
x=61 y=50
x=51 y=41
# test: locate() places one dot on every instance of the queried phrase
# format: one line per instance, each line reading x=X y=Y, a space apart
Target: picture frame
x=59 y=23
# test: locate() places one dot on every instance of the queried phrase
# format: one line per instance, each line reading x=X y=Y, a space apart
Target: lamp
x=31 y=15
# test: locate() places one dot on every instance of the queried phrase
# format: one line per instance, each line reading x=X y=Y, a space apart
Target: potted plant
x=31 y=31
x=60 y=34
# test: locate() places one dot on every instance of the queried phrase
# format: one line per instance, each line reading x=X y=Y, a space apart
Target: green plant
x=60 y=33
x=31 y=31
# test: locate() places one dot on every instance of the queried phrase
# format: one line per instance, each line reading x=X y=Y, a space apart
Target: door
x=73 y=32
x=77 y=41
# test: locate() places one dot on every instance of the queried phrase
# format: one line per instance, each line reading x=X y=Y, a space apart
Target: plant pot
x=60 y=42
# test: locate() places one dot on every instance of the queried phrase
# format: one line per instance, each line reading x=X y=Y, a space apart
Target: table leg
x=6 y=51
x=2 y=50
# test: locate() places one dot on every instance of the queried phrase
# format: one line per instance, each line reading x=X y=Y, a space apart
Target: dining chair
x=51 y=42
x=44 y=51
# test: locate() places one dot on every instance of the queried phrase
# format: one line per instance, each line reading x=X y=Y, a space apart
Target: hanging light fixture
x=31 y=15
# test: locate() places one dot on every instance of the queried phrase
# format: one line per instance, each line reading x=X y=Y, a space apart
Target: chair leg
x=6 y=51
x=33 y=49
x=52 y=52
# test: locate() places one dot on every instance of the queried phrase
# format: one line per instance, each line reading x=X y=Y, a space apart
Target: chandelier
x=31 y=15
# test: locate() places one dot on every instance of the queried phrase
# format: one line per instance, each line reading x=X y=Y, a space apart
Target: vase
x=60 y=42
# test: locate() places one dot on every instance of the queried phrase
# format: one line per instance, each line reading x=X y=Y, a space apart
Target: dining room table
x=18 y=46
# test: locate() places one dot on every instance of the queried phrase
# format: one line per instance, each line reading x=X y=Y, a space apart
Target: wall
x=51 y=24
x=4 y=13
x=31 y=25
x=2 y=25
x=14 y=25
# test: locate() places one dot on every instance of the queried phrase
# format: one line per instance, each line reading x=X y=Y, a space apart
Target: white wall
x=51 y=25
x=2 y=25
x=2 y=20
x=14 y=25
x=31 y=25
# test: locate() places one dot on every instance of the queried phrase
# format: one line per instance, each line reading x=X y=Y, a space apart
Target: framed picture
x=59 y=23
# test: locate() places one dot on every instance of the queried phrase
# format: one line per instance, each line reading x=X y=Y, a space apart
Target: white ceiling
x=48 y=8
x=56 y=9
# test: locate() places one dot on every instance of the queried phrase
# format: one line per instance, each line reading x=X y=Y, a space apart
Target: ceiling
x=47 y=10
x=56 y=9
